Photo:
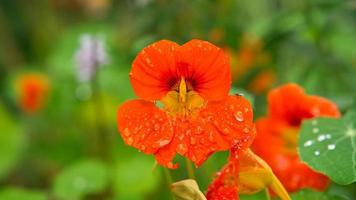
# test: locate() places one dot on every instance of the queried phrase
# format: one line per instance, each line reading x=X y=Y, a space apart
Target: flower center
x=182 y=100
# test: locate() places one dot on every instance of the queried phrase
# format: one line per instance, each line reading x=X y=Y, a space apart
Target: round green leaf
x=310 y=194
x=329 y=146
x=133 y=178
x=11 y=143
x=85 y=177
x=21 y=194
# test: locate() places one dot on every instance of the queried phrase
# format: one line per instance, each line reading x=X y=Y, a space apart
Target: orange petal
x=290 y=103
x=292 y=172
x=255 y=175
x=152 y=70
x=144 y=126
x=207 y=67
x=224 y=186
x=217 y=127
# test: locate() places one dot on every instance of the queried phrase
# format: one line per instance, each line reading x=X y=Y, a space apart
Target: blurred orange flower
x=251 y=56
x=262 y=82
x=197 y=116
x=32 y=91
x=288 y=106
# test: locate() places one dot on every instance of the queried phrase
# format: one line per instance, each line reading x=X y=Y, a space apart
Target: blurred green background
x=70 y=149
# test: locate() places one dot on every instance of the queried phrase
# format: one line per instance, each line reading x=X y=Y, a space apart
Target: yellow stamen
x=182 y=90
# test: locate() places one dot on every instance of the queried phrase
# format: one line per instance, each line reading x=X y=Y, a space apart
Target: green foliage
x=329 y=146
x=135 y=177
x=11 y=142
x=309 y=194
x=13 y=193
x=80 y=179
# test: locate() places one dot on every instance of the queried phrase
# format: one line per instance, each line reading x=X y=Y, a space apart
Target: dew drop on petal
x=331 y=146
x=143 y=147
x=246 y=110
x=194 y=158
x=182 y=149
x=129 y=140
x=315 y=130
x=238 y=116
x=193 y=141
x=126 y=132
x=163 y=142
x=202 y=141
x=211 y=137
x=181 y=137
x=246 y=130
x=317 y=153
x=156 y=127
x=308 y=143
x=170 y=165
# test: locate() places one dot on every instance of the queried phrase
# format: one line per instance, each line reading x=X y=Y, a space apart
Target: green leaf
x=310 y=194
x=85 y=177
x=21 y=194
x=244 y=93
x=11 y=143
x=329 y=146
x=133 y=178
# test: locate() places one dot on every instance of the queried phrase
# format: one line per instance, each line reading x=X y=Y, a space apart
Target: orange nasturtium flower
x=288 y=105
x=32 y=91
x=245 y=173
x=184 y=105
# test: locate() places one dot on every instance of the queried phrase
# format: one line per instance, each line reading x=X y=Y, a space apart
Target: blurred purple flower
x=89 y=57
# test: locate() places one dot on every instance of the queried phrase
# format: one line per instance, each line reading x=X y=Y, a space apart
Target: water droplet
x=331 y=146
x=181 y=137
x=321 y=137
x=194 y=158
x=314 y=122
x=226 y=131
x=211 y=137
x=193 y=141
x=308 y=143
x=315 y=130
x=143 y=147
x=182 y=149
x=317 y=153
x=199 y=128
x=170 y=165
x=238 y=116
x=163 y=142
x=246 y=130
x=202 y=141
x=246 y=110
x=156 y=127
x=126 y=132
x=129 y=140
x=328 y=136
x=188 y=132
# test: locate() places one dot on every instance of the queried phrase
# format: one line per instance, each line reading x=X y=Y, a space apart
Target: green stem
x=169 y=180
x=190 y=169
x=268 y=197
